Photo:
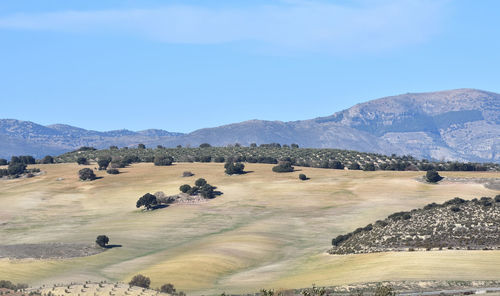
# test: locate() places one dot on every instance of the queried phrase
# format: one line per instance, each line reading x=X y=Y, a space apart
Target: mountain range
x=461 y=124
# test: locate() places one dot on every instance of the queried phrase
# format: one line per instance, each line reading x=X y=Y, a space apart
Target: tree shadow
x=112 y=246
x=160 y=206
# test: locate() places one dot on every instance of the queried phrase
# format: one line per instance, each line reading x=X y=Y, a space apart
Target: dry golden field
x=267 y=230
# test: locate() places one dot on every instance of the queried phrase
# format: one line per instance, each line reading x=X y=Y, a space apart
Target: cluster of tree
x=17 y=166
x=234 y=168
x=145 y=282
x=11 y=286
x=283 y=166
x=271 y=153
x=200 y=187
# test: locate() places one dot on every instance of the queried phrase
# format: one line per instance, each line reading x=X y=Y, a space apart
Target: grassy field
x=266 y=230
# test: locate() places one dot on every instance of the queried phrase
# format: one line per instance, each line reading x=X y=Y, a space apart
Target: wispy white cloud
x=296 y=25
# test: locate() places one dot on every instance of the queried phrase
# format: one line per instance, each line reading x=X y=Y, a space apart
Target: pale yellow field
x=267 y=230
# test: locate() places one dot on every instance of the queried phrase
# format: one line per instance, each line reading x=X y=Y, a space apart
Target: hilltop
x=462 y=124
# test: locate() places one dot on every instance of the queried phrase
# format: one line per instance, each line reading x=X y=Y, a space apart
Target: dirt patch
x=48 y=251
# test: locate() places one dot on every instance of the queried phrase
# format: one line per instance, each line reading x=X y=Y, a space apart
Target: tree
x=141 y=146
x=16 y=168
x=167 y=288
x=283 y=167
x=81 y=160
x=3 y=161
x=207 y=191
x=163 y=160
x=86 y=174
x=205 y=145
x=184 y=188
x=103 y=162
x=432 y=176
x=148 y=200
x=102 y=241
x=234 y=168
x=140 y=281
x=354 y=166
x=219 y=159
x=369 y=167
x=48 y=159
x=113 y=147
x=295 y=146
x=200 y=182
x=302 y=177
x=253 y=145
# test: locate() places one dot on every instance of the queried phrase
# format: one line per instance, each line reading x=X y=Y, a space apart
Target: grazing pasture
x=267 y=230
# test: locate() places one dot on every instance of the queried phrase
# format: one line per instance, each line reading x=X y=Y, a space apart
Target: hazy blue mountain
x=462 y=124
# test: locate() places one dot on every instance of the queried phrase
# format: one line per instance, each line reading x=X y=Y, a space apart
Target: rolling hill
x=462 y=124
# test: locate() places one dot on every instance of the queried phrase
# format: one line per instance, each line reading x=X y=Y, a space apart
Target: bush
x=193 y=191
x=48 y=159
x=82 y=160
x=369 y=167
x=354 y=166
x=207 y=191
x=113 y=171
x=184 y=188
x=205 y=145
x=455 y=209
x=16 y=168
x=86 y=174
x=167 y=288
x=283 y=167
x=3 y=161
x=148 y=200
x=140 y=281
x=302 y=177
x=234 y=168
x=102 y=241
x=206 y=158
x=200 y=182
x=187 y=174
x=433 y=176
x=163 y=160
x=103 y=162
x=219 y=159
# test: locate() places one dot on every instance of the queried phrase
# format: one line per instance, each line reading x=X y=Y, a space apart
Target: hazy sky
x=184 y=65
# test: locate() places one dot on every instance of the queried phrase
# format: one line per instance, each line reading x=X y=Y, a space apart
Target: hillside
x=455 y=224
x=462 y=124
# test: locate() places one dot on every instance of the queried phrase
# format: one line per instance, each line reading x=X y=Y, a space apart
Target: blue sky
x=184 y=65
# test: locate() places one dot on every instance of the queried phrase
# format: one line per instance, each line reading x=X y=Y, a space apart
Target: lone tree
x=167 y=288
x=148 y=200
x=140 y=281
x=432 y=176
x=234 y=168
x=81 y=160
x=302 y=177
x=103 y=162
x=86 y=174
x=141 y=146
x=162 y=160
x=102 y=241
x=205 y=145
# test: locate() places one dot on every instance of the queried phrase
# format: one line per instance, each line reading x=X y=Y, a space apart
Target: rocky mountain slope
x=462 y=124
x=455 y=224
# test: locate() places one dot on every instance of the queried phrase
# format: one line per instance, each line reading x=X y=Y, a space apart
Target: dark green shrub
x=207 y=191
x=102 y=241
x=432 y=177
x=113 y=171
x=103 y=162
x=86 y=174
x=148 y=200
x=82 y=160
x=369 y=167
x=455 y=209
x=206 y=158
x=200 y=182
x=16 y=168
x=184 y=188
x=302 y=177
x=193 y=191
x=283 y=167
x=140 y=281
x=48 y=159
x=219 y=159
x=163 y=160
x=205 y=145
x=234 y=168
x=3 y=161
x=141 y=146
x=167 y=288
x=354 y=166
